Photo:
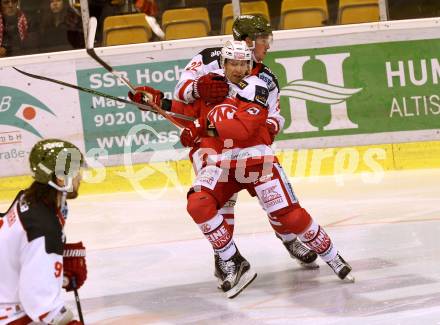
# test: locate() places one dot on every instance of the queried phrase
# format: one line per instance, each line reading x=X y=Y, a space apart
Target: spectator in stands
x=32 y=9
x=58 y=23
x=102 y=9
x=53 y=26
x=17 y=33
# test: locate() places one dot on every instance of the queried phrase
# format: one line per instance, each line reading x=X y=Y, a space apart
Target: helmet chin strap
x=254 y=58
x=252 y=47
x=63 y=189
x=253 y=52
x=66 y=188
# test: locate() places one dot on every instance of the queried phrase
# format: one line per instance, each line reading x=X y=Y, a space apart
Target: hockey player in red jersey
x=233 y=146
x=199 y=81
x=32 y=242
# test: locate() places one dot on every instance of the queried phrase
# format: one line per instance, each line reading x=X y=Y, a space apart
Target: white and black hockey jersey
x=31 y=262
x=208 y=60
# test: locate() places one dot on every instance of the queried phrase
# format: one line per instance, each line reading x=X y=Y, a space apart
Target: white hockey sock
x=217 y=231
x=315 y=238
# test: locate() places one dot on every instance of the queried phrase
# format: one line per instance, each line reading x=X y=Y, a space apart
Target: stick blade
x=91 y=32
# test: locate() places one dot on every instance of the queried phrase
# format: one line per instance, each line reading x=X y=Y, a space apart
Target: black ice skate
x=299 y=252
x=218 y=272
x=341 y=268
x=238 y=275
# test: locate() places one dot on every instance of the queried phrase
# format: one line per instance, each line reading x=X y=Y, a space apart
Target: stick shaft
x=91 y=32
x=78 y=302
x=98 y=93
x=91 y=52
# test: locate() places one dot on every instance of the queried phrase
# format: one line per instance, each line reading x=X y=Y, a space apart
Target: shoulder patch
x=268 y=77
x=39 y=221
x=210 y=55
x=242 y=84
x=261 y=95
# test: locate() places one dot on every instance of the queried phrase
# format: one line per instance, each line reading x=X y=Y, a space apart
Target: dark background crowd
x=38 y=26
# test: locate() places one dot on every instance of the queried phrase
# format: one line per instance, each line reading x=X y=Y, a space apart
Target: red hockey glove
x=211 y=87
x=74 y=263
x=74 y=322
x=200 y=128
x=191 y=134
x=144 y=94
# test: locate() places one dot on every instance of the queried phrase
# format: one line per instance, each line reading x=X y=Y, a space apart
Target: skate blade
x=310 y=266
x=349 y=278
x=244 y=281
x=219 y=284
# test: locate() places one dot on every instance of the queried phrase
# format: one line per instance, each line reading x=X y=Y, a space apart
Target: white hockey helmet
x=236 y=50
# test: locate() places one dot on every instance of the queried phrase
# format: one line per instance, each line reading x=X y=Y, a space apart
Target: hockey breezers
x=142 y=107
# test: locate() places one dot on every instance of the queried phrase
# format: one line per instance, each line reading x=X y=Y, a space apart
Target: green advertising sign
x=334 y=91
x=359 y=89
x=111 y=125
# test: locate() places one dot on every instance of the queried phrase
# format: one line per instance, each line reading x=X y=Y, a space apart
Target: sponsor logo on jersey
x=261 y=95
x=242 y=84
x=271 y=197
x=22 y=205
x=253 y=111
x=222 y=112
x=215 y=53
x=267 y=79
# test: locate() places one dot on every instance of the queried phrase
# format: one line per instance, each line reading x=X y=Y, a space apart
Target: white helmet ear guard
x=235 y=50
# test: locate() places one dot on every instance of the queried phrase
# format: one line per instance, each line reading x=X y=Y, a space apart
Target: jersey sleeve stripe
x=183 y=89
x=273 y=121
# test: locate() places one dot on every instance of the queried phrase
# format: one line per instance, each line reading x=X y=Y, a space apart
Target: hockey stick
x=91 y=33
x=78 y=302
x=93 y=23
x=142 y=107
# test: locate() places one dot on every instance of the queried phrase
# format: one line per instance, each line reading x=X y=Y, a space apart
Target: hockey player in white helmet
x=198 y=80
x=230 y=140
x=32 y=242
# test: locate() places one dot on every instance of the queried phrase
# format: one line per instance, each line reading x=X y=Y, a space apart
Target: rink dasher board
x=349 y=115
x=370 y=163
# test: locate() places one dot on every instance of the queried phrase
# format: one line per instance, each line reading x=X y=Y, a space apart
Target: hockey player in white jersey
x=32 y=242
x=198 y=80
x=231 y=140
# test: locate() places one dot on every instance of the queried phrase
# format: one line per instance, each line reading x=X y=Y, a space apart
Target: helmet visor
x=266 y=39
